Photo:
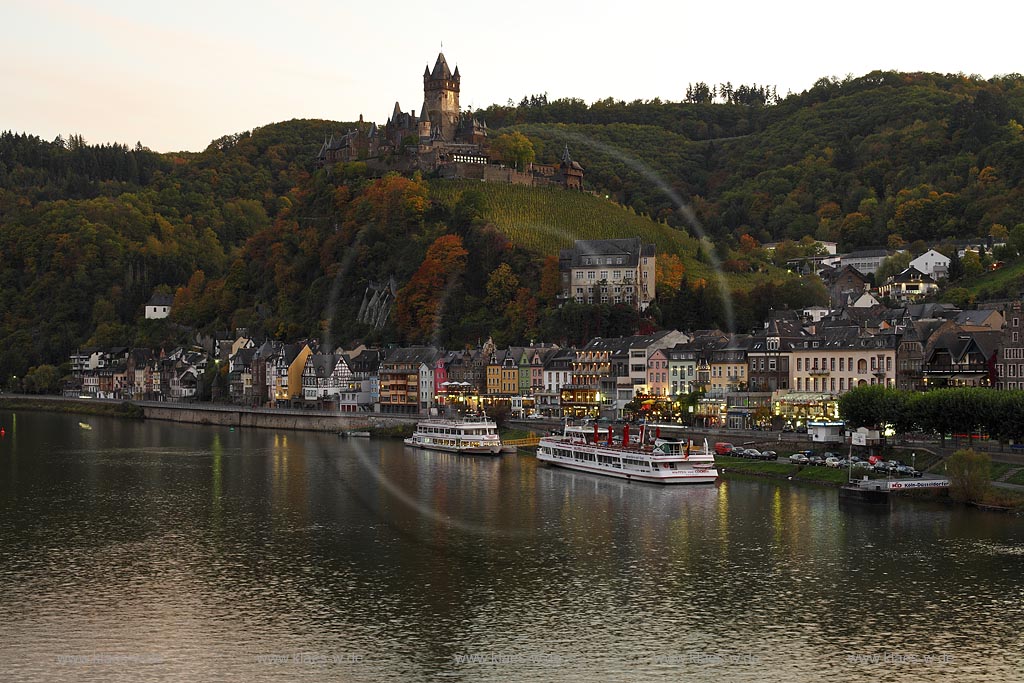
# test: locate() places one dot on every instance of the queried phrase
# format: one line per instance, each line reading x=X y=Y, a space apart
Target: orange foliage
x=418 y=311
x=668 y=272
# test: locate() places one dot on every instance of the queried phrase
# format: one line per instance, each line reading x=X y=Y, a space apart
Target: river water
x=160 y=552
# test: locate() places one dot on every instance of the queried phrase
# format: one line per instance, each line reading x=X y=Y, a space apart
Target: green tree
x=969 y=475
x=892 y=265
x=42 y=379
x=515 y=148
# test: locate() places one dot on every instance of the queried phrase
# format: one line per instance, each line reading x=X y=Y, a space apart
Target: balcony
x=818 y=372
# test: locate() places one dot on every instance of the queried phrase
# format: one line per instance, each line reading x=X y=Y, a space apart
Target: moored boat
x=661 y=461
x=473 y=435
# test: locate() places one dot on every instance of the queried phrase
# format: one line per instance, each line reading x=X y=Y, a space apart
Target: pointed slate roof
x=441 y=70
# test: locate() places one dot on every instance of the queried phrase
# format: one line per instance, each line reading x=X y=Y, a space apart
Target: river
x=151 y=551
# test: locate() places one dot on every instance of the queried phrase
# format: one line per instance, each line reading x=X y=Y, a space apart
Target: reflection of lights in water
x=777 y=514
x=218 y=451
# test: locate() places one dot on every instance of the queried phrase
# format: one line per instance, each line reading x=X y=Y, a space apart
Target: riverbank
x=995 y=500
x=78 y=407
x=211 y=414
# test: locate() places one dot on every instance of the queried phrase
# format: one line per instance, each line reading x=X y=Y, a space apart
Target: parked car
x=831 y=460
x=908 y=471
x=802 y=429
x=881 y=466
x=798 y=459
x=862 y=465
x=843 y=463
x=815 y=460
x=723 y=448
x=787 y=428
x=753 y=453
x=769 y=455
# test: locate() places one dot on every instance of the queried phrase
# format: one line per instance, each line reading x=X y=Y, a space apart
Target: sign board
x=919 y=484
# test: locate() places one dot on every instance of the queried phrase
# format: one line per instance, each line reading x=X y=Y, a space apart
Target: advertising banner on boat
x=919 y=484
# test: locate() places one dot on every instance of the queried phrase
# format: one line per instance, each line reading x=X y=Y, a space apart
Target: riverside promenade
x=231 y=416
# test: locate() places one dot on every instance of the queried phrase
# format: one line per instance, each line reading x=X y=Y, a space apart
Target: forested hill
x=857 y=161
x=248 y=233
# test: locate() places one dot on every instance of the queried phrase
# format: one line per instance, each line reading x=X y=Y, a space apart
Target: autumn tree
x=420 y=302
x=668 y=273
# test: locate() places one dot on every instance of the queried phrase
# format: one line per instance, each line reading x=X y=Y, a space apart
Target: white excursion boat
x=474 y=435
x=663 y=461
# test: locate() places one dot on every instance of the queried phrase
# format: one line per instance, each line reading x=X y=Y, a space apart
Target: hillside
x=859 y=161
x=249 y=233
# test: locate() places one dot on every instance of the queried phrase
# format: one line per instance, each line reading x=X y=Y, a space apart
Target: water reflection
x=209 y=549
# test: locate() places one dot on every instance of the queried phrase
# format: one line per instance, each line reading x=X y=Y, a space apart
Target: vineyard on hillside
x=544 y=219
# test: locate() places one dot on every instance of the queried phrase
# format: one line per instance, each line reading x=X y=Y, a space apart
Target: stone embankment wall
x=269 y=419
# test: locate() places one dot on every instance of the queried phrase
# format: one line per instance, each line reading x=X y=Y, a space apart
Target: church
x=442 y=140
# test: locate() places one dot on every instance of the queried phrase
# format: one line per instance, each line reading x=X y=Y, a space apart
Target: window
x=832 y=364
x=617 y=274
x=842 y=365
x=842 y=384
x=799 y=364
x=771 y=364
x=590 y=274
x=888 y=364
x=862 y=366
x=604 y=274
x=579 y=274
x=832 y=382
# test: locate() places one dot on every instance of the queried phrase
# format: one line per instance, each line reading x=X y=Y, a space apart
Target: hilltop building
x=442 y=140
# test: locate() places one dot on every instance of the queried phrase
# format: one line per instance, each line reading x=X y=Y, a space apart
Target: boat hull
x=695 y=476
x=494 y=449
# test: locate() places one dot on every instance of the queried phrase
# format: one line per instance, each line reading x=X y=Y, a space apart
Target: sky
x=176 y=75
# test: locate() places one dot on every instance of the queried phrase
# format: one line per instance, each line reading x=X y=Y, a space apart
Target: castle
x=443 y=141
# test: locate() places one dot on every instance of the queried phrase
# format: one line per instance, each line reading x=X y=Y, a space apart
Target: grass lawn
x=830 y=475
x=1017 y=478
x=998 y=469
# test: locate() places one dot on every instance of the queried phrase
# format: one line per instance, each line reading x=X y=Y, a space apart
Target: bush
x=969 y=475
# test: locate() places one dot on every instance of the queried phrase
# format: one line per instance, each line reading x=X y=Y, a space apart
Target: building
x=866 y=261
x=442 y=139
x=845 y=284
x=1010 y=362
x=159 y=306
x=616 y=271
x=908 y=285
x=407 y=380
x=932 y=263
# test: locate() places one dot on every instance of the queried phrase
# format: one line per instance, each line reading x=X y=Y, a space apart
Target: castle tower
x=441 y=99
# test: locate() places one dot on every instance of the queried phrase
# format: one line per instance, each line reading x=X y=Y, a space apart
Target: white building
x=159 y=306
x=932 y=263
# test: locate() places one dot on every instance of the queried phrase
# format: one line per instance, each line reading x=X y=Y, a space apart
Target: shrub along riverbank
x=123 y=409
x=984 y=495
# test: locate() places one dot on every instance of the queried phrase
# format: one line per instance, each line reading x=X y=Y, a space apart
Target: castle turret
x=441 y=99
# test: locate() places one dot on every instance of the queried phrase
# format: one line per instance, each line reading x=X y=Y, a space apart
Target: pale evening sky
x=176 y=75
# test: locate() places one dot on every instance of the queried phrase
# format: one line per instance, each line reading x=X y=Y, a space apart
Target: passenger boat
x=474 y=435
x=657 y=460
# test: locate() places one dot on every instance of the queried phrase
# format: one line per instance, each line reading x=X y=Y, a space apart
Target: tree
x=892 y=265
x=43 y=379
x=501 y=287
x=956 y=266
x=418 y=311
x=668 y=272
x=969 y=475
x=515 y=148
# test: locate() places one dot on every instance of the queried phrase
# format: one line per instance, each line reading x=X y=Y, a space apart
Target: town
x=791 y=371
